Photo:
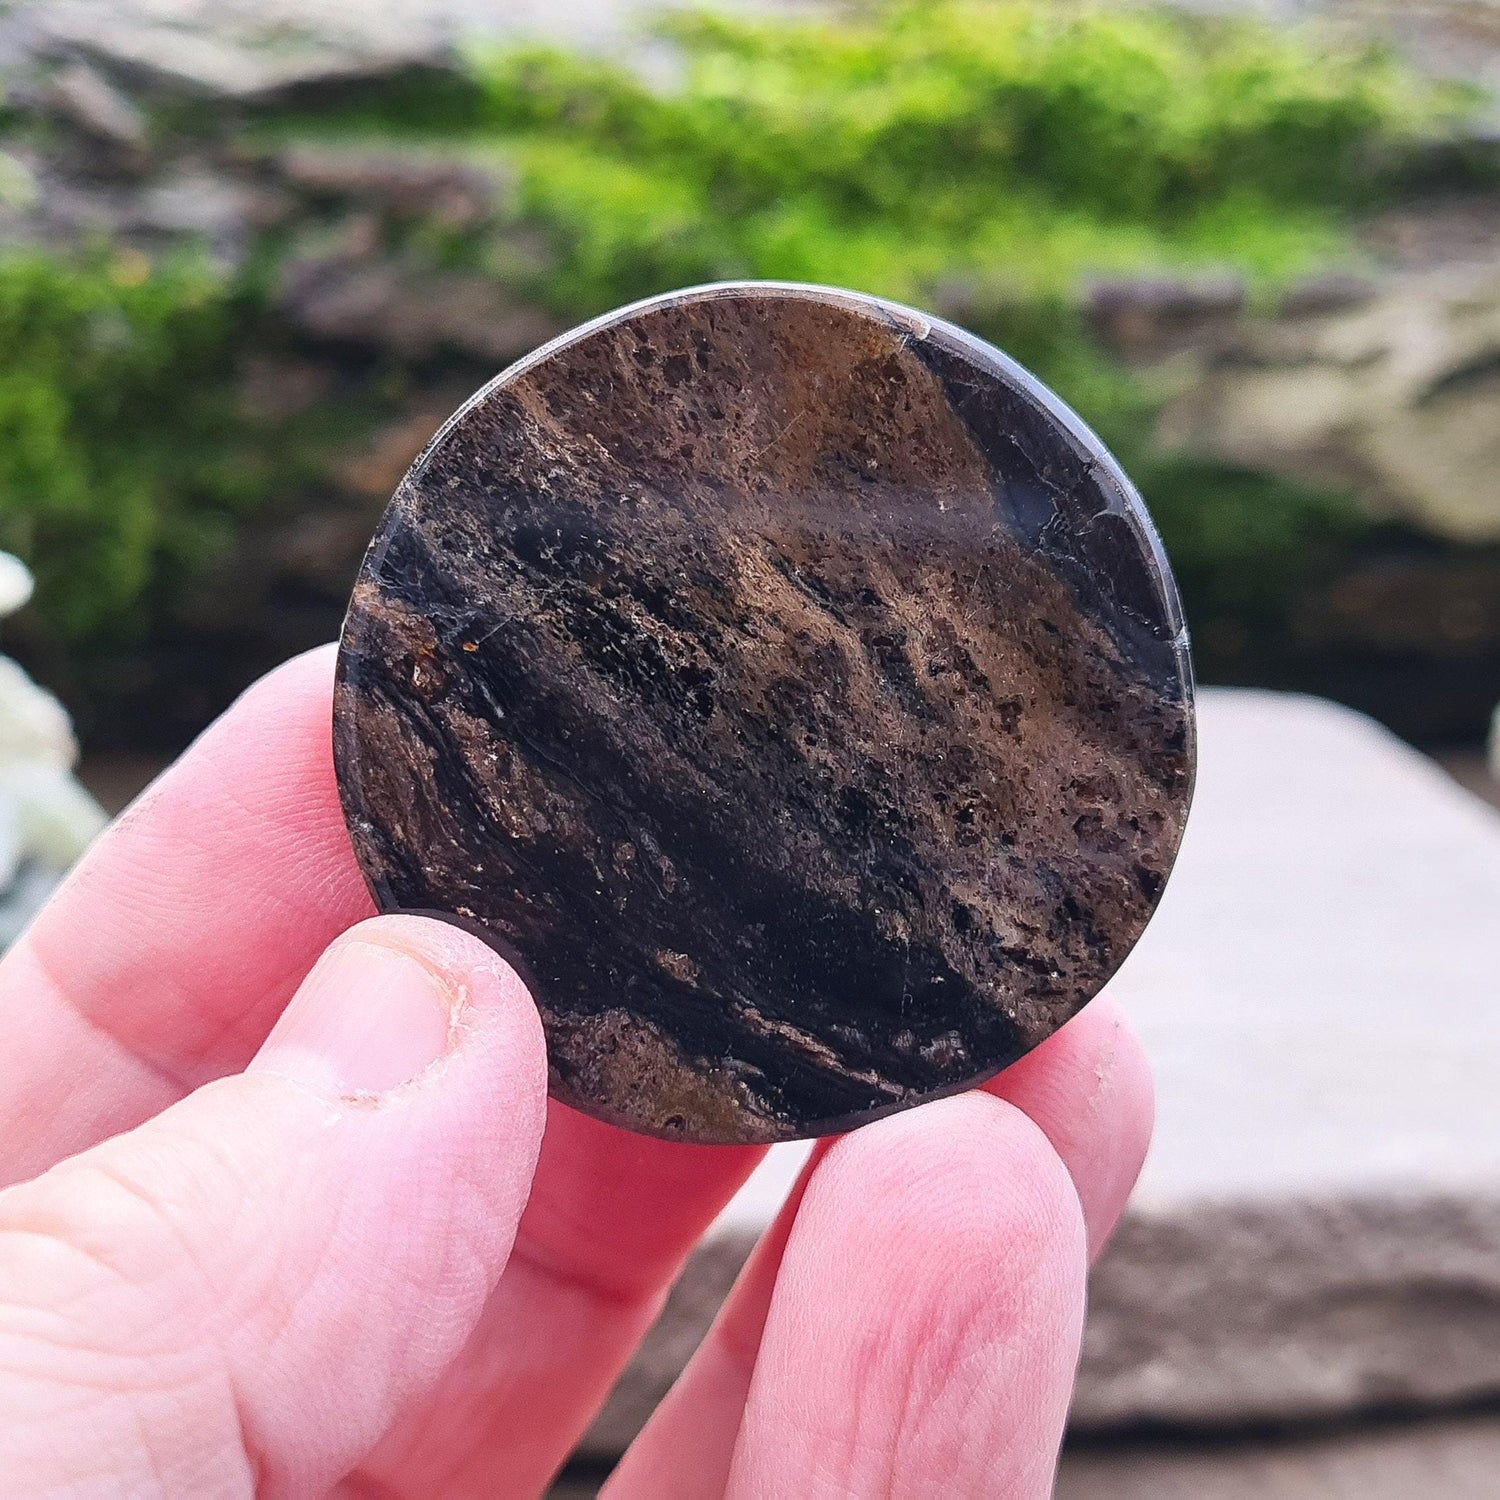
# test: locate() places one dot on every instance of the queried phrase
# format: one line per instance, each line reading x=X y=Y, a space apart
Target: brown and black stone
x=791 y=687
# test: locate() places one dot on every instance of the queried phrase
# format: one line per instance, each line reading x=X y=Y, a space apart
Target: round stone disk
x=791 y=687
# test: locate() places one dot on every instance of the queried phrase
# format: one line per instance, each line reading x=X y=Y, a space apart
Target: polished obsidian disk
x=791 y=687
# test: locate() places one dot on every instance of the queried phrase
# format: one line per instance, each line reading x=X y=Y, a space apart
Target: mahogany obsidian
x=791 y=687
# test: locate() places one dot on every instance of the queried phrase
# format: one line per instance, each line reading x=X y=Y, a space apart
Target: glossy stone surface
x=791 y=687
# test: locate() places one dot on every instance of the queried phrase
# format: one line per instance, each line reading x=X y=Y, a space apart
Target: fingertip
x=912 y=1259
x=968 y=1167
x=1089 y=1089
x=291 y=706
x=931 y=1292
x=1096 y=1057
x=951 y=1211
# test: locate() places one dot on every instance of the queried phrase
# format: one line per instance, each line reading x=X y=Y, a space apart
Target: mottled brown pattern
x=791 y=688
x=616 y=1054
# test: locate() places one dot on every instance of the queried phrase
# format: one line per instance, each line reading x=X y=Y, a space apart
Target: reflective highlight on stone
x=791 y=687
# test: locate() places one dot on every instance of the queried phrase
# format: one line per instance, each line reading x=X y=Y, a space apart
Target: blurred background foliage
x=1018 y=144
x=988 y=159
x=121 y=462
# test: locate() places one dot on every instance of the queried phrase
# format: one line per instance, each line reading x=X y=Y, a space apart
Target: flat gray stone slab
x=1320 y=990
x=1445 y=1458
x=1318 y=1228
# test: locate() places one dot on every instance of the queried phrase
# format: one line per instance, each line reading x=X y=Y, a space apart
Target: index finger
x=168 y=953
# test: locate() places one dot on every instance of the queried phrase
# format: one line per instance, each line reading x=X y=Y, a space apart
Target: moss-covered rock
x=283 y=293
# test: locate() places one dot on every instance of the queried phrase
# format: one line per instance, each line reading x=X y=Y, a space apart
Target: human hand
x=338 y=1251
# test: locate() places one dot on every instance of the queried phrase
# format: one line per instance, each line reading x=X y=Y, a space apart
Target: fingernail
x=367 y=1019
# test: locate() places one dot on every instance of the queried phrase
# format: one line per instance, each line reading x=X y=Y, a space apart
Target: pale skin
x=288 y=1212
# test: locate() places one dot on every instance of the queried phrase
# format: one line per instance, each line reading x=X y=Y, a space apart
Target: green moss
x=986 y=155
x=1005 y=149
x=122 y=458
x=1017 y=143
x=996 y=155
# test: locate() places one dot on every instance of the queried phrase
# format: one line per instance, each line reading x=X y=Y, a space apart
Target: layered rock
x=1384 y=383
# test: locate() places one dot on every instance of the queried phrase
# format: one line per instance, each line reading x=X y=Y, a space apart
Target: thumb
x=243 y=1293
